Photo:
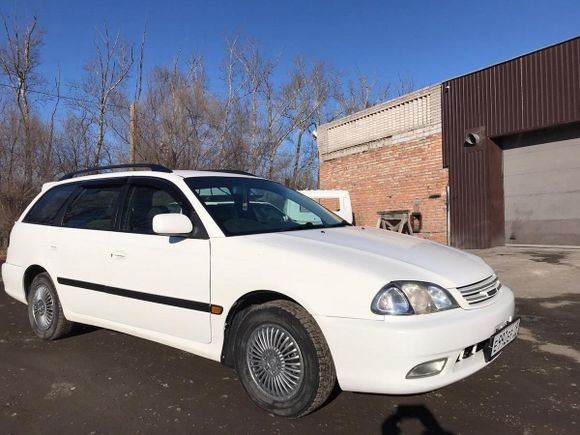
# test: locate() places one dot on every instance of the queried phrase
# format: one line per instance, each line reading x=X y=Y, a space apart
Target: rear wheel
x=283 y=360
x=45 y=311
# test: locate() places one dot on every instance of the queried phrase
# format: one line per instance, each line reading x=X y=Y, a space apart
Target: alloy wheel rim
x=275 y=362
x=43 y=307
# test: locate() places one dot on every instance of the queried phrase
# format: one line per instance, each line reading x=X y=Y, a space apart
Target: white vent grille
x=416 y=114
x=387 y=122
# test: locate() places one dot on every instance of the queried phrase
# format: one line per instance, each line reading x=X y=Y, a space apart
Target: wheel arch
x=235 y=315
x=29 y=274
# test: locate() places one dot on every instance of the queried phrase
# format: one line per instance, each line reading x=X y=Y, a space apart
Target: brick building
x=389 y=157
x=487 y=158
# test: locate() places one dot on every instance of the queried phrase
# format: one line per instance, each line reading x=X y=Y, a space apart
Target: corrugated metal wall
x=534 y=91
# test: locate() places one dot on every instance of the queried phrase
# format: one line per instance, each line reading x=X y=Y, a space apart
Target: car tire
x=45 y=311
x=283 y=360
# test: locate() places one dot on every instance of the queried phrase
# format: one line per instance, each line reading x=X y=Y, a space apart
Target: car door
x=158 y=283
x=80 y=246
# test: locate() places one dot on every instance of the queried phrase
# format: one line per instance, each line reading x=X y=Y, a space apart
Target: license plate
x=501 y=339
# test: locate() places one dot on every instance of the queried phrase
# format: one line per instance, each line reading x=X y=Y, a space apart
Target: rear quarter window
x=46 y=210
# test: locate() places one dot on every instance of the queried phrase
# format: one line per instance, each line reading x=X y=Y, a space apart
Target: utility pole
x=132 y=132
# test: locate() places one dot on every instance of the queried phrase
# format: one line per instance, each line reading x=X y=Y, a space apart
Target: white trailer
x=342 y=196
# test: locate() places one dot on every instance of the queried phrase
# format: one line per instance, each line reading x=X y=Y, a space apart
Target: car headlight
x=412 y=297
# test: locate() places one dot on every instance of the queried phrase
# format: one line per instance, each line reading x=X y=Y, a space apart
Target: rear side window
x=46 y=210
x=93 y=209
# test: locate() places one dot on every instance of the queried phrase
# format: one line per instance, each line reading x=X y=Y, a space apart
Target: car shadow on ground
x=80 y=329
x=418 y=413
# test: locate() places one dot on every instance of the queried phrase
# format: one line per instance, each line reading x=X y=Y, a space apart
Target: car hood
x=414 y=258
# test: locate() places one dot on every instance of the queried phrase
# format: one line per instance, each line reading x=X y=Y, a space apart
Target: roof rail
x=232 y=171
x=152 y=166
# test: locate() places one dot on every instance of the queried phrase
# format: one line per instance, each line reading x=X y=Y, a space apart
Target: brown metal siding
x=535 y=91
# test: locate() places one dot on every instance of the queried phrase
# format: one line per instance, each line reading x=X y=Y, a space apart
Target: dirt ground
x=99 y=381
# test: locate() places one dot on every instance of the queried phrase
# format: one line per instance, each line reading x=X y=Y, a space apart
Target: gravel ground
x=99 y=381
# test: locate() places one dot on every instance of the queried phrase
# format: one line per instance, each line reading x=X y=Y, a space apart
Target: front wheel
x=283 y=360
x=45 y=311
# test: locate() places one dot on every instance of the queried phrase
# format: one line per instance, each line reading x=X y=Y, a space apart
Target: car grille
x=480 y=291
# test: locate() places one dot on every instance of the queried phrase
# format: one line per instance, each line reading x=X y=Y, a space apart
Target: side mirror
x=172 y=224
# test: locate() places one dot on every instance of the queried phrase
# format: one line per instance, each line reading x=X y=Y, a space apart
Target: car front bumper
x=375 y=356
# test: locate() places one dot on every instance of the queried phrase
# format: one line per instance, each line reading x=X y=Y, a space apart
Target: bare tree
x=74 y=148
x=361 y=94
x=256 y=74
x=26 y=140
x=19 y=60
x=179 y=121
x=405 y=84
x=264 y=121
x=310 y=89
x=103 y=89
x=47 y=163
x=232 y=95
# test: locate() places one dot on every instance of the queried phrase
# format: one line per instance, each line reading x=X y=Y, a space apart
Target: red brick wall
x=394 y=177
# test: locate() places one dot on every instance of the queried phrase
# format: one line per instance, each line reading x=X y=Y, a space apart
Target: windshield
x=242 y=205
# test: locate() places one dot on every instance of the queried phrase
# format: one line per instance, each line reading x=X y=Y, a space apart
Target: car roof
x=192 y=173
x=180 y=174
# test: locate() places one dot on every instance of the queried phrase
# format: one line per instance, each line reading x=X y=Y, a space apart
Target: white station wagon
x=215 y=263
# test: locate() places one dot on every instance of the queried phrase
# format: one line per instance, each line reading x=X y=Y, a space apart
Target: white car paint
x=333 y=273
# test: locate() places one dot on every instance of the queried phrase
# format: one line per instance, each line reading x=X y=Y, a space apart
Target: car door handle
x=117 y=255
x=52 y=247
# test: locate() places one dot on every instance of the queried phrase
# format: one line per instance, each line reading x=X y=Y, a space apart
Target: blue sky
x=429 y=41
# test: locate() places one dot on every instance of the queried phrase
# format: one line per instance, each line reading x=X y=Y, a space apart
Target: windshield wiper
x=310 y=225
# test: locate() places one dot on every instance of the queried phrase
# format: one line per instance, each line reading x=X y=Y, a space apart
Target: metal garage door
x=542 y=187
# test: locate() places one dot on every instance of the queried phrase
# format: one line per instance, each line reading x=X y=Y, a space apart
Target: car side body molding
x=148 y=297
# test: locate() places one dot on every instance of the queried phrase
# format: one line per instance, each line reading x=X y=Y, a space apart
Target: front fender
x=339 y=284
